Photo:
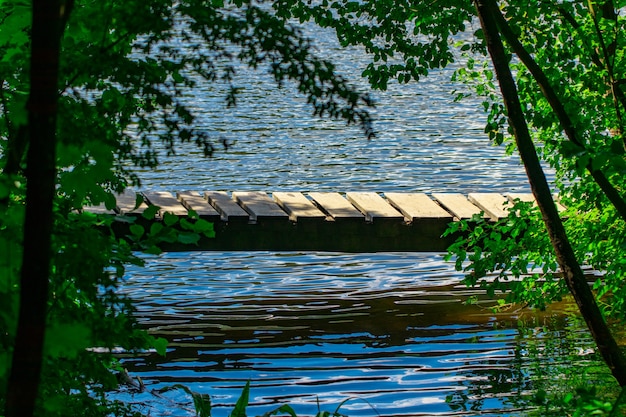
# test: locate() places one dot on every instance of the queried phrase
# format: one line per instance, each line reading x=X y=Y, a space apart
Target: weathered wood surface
x=199 y=204
x=374 y=207
x=226 y=206
x=259 y=205
x=529 y=198
x=167 y=203
x=457 y=204
x=337 y=207
x=492 y=204
x=126 y=203
x=321 y=221
x=418 y=207
x=298 y=207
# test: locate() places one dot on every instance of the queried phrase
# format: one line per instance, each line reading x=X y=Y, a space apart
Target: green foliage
x=583 y=401
x=511 y=256
x=122 y=73
x=582 y=54
x=406 y=39
x=242 y=402
x=514 y=255
x=201 y=402
x=122 y=76
x=203 y=407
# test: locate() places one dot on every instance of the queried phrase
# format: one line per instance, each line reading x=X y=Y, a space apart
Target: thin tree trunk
x=40 y=176
x=568 y=263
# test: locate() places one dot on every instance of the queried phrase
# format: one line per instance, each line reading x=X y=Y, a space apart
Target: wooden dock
x=319 y=221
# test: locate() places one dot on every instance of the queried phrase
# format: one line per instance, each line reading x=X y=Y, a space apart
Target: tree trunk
x=568 y=263
x=40 y=181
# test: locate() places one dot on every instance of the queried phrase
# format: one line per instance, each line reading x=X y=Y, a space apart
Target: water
x=425 y=141
x=389 y=332
x=386 y=332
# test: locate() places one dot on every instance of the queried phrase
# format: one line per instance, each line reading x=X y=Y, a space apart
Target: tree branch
x=559 y=109
x=572 y=273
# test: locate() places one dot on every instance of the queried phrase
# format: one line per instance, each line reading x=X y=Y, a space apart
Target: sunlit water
x=388 y=332
x=425 y=141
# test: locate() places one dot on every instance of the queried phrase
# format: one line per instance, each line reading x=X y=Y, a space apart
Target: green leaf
x=188 y=238
x=283 y=409
x=138 y=200
x=186 y=224
x=56 y=404
x=155 y=228
x=202 y=226
x=5 y=364
x=136 y=230
x=4 y=190
x=170 y=219
x=150 y=212
x=109 y=201
x=153 y=250
x=160 y=344
x=177 y=77
x=202 y=404
x=66 y=340
x=242 y=402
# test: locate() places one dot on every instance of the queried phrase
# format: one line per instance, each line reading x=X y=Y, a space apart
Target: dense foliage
x=585 y=78
x=115 y=100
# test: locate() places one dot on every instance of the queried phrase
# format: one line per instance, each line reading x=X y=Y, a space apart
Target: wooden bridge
x=320 y=221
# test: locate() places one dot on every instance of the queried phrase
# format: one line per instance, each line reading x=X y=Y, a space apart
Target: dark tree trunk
x=568 y=263
x=40 y=176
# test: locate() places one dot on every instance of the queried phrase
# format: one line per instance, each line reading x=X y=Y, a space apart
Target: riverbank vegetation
x=88 y=90
x=552 y=76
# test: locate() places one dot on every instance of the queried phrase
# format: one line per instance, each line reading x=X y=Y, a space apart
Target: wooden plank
x=417 y=206
x=491 y=203
x=458 y=205
x=374 y=206
x=259 y=205
x=126 y=201
x=528 y=197
x=298 y=206
x=336 y=206
x=166 y=201
x=226 y=206
x=99 y=209
x=525 y=197
x=194 y=201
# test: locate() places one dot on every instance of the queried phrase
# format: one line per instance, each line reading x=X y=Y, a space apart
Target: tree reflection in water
x=320 y=328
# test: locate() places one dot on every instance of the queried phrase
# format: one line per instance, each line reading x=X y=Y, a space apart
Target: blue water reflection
x=425 y=141
x=389 y=330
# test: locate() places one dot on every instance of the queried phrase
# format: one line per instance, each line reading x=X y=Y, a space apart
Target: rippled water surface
x=388 y=332
x=425 y=141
